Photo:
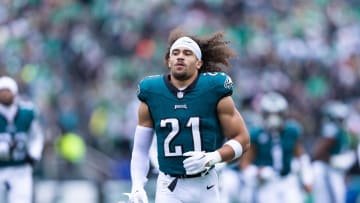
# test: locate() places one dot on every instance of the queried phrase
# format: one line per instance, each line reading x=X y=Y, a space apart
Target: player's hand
x=266 y=174
x=4 y=151
x=308 y=188
x=200 y=161
x=138 y=195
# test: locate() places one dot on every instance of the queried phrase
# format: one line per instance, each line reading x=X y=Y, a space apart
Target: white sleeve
x=153 y=155
x=36 y=141
x=306 y=172
x=139 y=166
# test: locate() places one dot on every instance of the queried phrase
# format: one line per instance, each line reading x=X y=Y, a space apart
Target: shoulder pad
x=27 y=105
x=294 y=126
x=220 y=82
x=147 y=84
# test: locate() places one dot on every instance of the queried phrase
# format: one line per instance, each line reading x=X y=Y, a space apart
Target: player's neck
x=182 y=84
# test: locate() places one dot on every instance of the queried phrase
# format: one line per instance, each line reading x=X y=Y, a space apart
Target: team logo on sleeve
x=138 y=90
x=228 y=84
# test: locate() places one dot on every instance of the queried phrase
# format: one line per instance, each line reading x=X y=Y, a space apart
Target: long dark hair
x=215 y=50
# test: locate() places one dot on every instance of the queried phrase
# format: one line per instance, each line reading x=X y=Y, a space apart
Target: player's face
x=273 y=121
x=6 y=97
x=183 y=64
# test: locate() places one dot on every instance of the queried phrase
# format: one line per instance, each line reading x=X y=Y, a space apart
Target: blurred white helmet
x=273 y=102
x=336 y=110
x=8 y=83
x=273 y=106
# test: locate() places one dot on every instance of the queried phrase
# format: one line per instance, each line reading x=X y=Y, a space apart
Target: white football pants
x=329 y=184
x=18 y=183
x=203 y=189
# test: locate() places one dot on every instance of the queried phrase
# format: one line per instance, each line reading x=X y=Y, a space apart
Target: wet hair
x=215 y=51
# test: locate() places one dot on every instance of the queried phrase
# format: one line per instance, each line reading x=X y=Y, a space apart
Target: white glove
x=267 y=173
x=343 y=161
x=4 y=151
x=200 y=161
x=138 y=195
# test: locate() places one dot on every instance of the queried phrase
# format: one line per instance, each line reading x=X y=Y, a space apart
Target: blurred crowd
x=80 y=61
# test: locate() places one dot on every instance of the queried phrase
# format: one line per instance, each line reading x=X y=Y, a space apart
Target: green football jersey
x=16 y=134
x=342 y=138
x=184 y=120
x=276 y=151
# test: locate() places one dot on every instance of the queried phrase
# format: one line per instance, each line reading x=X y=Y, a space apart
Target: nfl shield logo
x=180 y=95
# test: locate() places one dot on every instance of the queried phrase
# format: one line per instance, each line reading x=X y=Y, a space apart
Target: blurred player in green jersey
x=334 y=154
x=21 y=143
x=267 y=171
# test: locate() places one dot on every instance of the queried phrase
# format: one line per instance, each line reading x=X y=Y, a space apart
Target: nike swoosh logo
x=208 y=187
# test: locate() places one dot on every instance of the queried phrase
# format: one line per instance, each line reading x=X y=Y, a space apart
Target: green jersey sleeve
x=146 y=86
x=221 y=83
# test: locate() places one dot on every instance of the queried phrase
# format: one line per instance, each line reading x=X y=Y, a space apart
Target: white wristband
x=236 y=146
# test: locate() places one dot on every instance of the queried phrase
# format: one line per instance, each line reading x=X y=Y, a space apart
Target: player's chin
x=180 y=75
x=180 y=69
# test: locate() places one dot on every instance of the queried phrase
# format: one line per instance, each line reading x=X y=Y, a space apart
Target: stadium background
x=80 y=60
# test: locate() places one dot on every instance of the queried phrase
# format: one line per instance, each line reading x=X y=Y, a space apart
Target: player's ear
x=199 y=63
x=167 y=62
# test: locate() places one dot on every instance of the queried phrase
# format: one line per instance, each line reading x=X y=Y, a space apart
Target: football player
x=267 y=172
x=21 y=142
x=334 y=154
x=190 y=109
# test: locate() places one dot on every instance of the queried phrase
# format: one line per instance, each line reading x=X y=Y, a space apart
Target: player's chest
x=267 y=142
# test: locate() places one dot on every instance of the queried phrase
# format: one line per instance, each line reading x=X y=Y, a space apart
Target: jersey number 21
x=192 y=123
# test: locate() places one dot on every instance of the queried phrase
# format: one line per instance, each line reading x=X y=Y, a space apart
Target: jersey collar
x=175 y=90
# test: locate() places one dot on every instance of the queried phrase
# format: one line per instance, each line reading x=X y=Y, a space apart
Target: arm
x=142 y=142
x=306 y=174
x=342 y=161
x=234 y=128
x=321 y=150
x=139 y=165
x=144 y=118
x=36 y=141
